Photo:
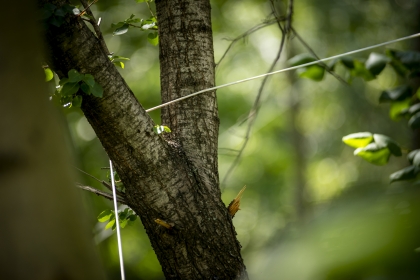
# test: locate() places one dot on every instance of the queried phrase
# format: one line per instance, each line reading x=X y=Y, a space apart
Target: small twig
x=288 y=25
x=254 y=111
x=245 y=34
x=314 y=54
x=101 y=193
x=95 y=25
x=236 y=203
x=151 y=12
x=86 y=6
x=108 y=186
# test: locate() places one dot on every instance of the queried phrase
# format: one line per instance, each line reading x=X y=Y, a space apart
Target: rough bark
x=174 y=180
x=43 y=231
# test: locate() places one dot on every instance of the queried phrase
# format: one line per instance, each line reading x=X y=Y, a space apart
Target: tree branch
x=254 y=111
x=317 y=57
x=101 y=193
x=107 y=185
x=95 y=25
x=244 y=35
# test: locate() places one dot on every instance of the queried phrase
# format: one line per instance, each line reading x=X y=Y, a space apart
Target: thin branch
x=314 y=54
x=283 y=70
x=151 y=12
x=101 y=193
x=108 y=186
x=244 y=35
x=255 y=108
x=94 y=23
x=290 y=11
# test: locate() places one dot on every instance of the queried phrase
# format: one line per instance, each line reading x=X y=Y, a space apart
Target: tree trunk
x=174 y=179
x=44 y=233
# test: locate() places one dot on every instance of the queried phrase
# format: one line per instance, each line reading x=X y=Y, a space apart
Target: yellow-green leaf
x=374 y=153
x=358 y=140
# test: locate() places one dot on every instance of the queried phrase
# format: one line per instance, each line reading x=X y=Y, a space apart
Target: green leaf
x=74 y=76
x=415 y=154
x=358 y=140
x=118 y=24
x=376 y=63
x=385 y=141
x=111 y=224
x=63 y=81
x=396 y=94
x=123 y=223
x=158 y=129
x=374 y=153
x=119 y=57
x=314 y=72
x=407 y=173
x=414 y=121
x=121 y=30
x=410 y=59
x=105 y=215
x=77 y=101
x=153 y=38
x=399 y=109
x=89 y=80
x=119 y=64
x=141 y=1
x=65 y=101
x=360 y=70
x=347 y=62
x=148 y=26
x=418 y=93
x=97 y=90
x=301 y=59
x=49 y=75
x=69 y=89
x=85 y=88
x=414 y=109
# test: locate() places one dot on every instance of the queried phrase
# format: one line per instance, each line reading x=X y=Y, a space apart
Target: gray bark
x=173 y=179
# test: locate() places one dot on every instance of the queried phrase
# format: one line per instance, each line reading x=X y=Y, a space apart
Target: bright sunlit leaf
x=49 y=75
x=358 y=140
x=374 y=153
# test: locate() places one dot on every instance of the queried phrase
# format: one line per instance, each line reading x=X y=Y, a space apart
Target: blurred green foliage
x=356 y=225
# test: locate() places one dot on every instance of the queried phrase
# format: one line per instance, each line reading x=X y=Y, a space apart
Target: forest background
x=307 y=209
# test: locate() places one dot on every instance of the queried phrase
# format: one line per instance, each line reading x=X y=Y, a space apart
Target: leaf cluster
x=374 y=148
x=149 y=24
x=377 y=148
x=69 y=88
x=118 y=60
x=125 y=217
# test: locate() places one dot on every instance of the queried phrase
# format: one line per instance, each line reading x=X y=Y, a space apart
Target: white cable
x=283 y=70
x=114 y=193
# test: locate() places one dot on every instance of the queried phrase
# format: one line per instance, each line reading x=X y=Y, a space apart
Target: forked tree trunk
x=173 y=179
